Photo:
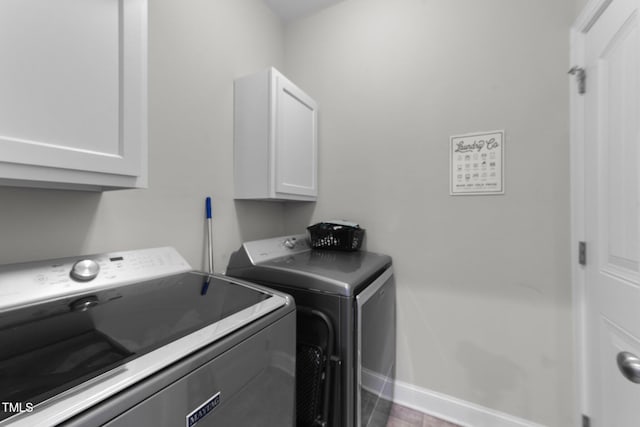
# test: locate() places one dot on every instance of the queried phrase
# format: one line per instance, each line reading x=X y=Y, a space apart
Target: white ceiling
x=289 y=10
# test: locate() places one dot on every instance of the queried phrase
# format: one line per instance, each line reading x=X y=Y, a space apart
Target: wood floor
x=401 y=416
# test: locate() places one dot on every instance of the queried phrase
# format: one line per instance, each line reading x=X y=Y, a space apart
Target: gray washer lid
x=333 y=272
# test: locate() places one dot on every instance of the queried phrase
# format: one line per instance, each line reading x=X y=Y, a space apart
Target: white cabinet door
x=275 y=139
x=73 y=93
x=295 y=141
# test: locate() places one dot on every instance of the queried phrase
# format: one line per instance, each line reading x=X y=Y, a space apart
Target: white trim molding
x=452 y=409
x=587 y=17
x=591 y=12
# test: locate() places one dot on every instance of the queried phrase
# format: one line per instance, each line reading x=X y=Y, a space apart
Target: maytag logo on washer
x=203 y=410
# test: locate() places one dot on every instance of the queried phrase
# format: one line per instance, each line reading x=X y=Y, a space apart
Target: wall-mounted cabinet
x=73 y=93
x=275 y=139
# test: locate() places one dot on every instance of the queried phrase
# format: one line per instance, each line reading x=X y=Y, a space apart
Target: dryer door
x=376 y=356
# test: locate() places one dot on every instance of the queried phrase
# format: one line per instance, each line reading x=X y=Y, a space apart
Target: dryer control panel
x=268 y=249
x=33 y=282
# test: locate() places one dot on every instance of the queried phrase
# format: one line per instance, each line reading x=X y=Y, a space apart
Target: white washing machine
x=137 y=338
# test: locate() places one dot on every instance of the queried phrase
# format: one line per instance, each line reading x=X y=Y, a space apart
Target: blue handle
x=208 y=203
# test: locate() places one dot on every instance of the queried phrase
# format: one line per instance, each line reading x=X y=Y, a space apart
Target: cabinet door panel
x=296 y=141
x=73 y=84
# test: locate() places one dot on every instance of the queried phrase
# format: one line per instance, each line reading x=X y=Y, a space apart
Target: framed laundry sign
x=477 y=164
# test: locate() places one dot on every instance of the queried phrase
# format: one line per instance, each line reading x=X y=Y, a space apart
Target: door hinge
x=586 y=421
x=582 y=253
x=581 y=77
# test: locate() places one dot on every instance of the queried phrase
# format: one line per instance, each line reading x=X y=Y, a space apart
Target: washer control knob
x=290 y=243
x=85 y=270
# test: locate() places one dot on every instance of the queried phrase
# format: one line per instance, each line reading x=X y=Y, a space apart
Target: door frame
x=585 y=20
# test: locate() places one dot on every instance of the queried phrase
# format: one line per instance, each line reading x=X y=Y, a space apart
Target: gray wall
x=197 y=48
x=483 y=281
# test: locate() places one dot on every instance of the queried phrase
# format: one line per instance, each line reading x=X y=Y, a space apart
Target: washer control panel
x=33 y=282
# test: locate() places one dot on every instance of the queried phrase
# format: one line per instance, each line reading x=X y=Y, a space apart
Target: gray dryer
x=346 y=325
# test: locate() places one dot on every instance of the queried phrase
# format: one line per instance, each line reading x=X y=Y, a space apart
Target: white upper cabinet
x=73 y=93
x=275 y=139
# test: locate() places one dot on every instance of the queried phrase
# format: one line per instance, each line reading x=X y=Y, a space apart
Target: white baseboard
x=452 y=409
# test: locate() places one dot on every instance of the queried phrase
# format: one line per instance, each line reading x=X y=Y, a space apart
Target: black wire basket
x=327 y=235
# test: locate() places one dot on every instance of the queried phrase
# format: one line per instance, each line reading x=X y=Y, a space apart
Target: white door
x=612 y=215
